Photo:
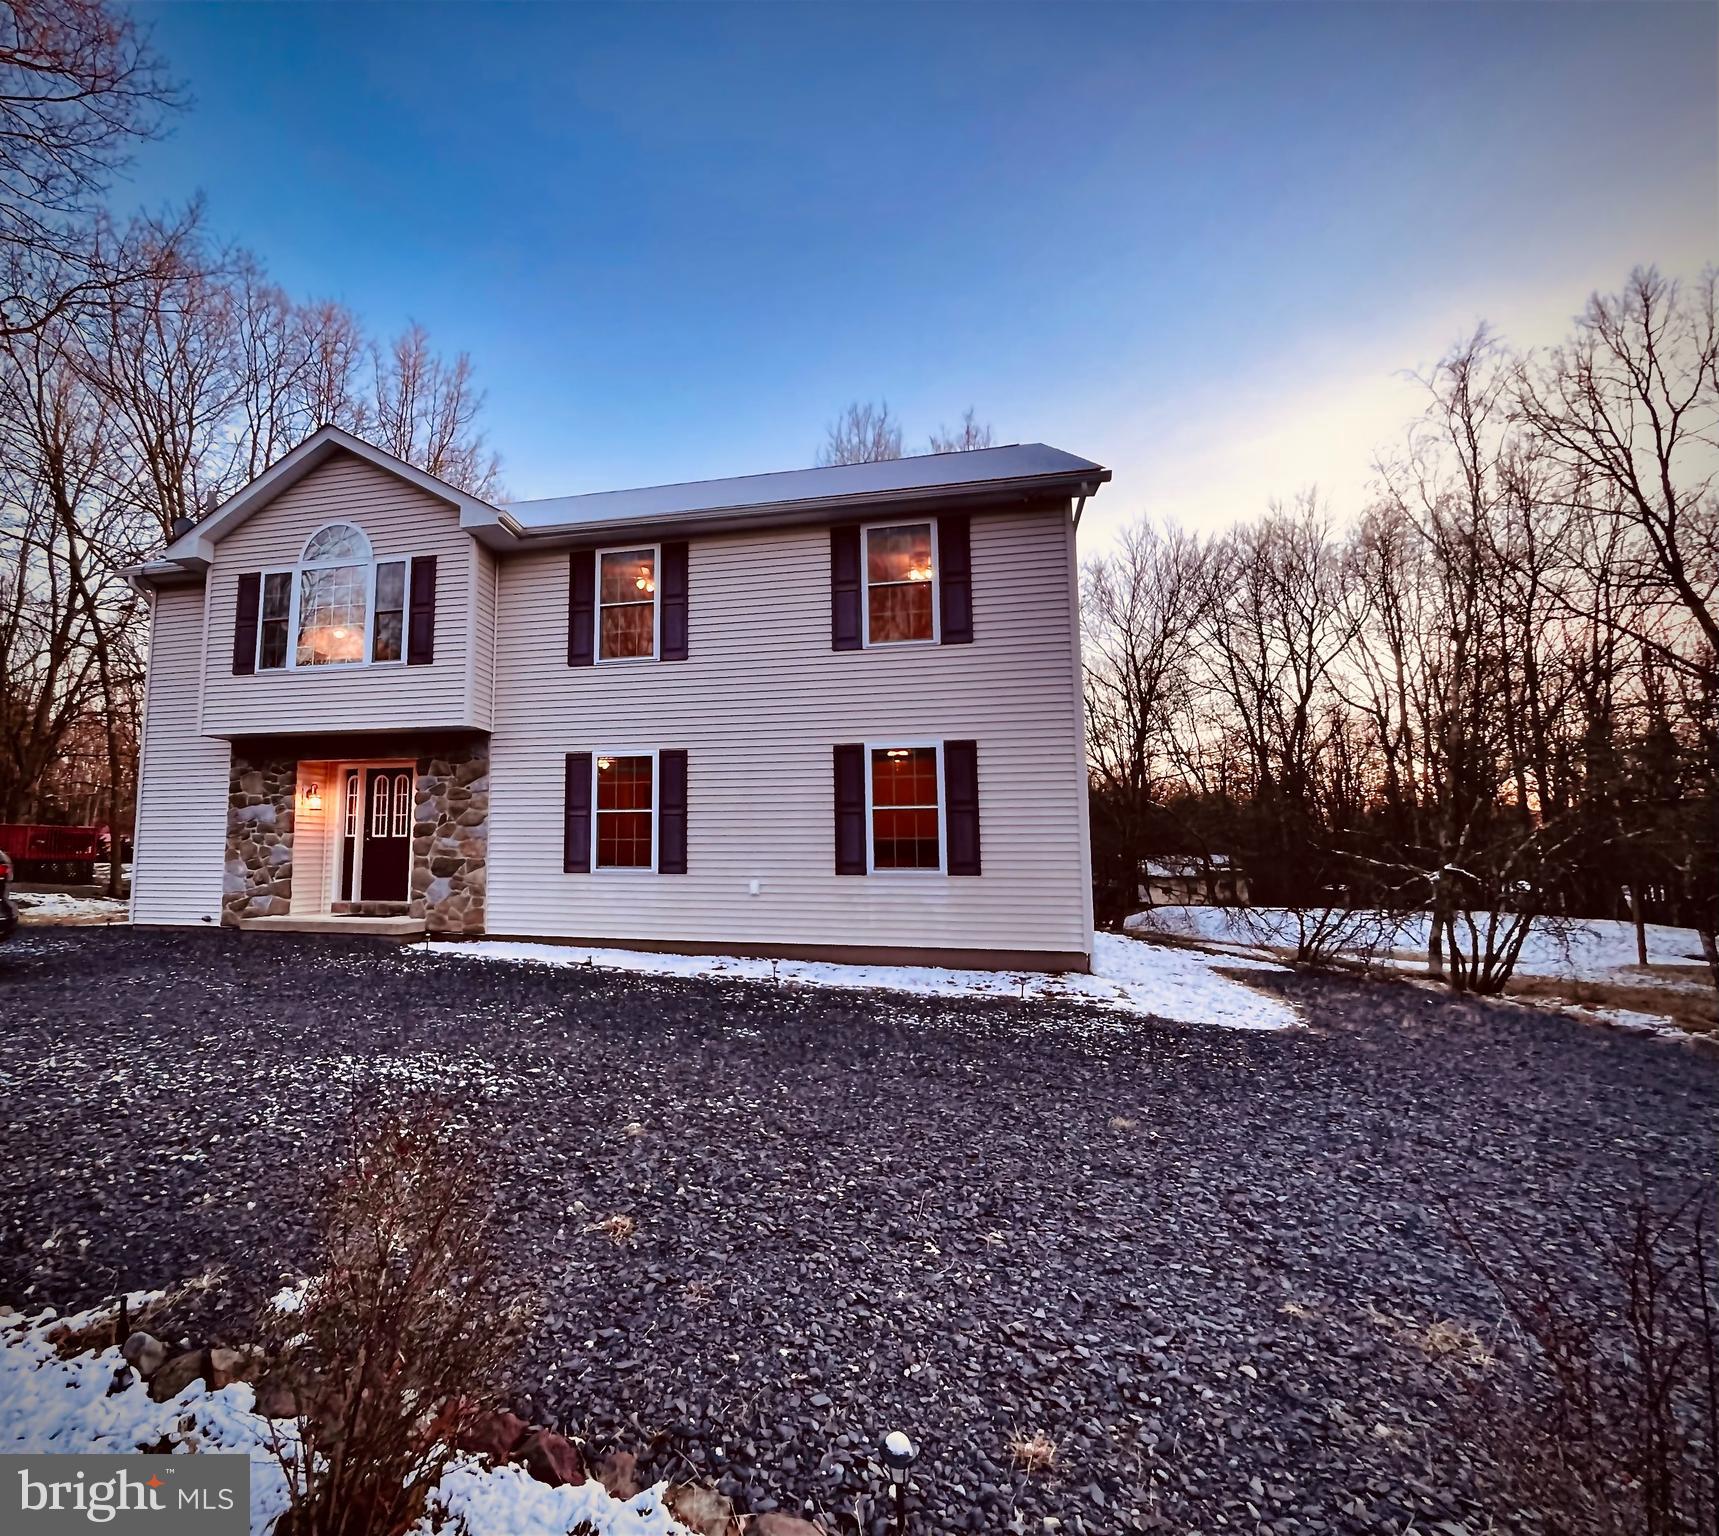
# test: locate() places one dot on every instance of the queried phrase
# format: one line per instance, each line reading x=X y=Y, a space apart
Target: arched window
x=333 y=596
x=339 y=605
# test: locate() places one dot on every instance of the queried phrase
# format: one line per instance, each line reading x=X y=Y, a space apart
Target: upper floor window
x=900 y=583
x=333 y=596
x=627 y=604
x=338 y=606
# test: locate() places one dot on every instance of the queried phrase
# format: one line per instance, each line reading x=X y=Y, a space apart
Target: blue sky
x=1198 y=243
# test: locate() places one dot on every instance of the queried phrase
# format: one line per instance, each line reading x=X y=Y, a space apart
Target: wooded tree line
x=1492 y=696
x=146 y=372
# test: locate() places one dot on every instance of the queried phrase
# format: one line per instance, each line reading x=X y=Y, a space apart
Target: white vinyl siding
x=480 y=655
x=180 y=843
x=312 y=838
x=759 y=706
x=400 y=521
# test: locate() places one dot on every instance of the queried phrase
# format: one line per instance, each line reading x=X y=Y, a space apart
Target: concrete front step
x=328 y=922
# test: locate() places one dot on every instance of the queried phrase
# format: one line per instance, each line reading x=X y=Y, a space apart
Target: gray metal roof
x=1019 y=471
x=924 y=475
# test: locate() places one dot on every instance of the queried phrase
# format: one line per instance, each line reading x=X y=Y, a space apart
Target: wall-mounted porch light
x=311 y=795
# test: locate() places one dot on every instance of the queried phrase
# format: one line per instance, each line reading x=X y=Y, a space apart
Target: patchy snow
x=49 y=1404
x=1632 y=1022
x=1595 y=949
x=289 y=1300
x=53 y=1405
x=1143 y=978
x=58 y=907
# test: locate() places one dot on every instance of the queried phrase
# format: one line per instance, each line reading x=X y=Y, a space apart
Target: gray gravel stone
x=858 y=1212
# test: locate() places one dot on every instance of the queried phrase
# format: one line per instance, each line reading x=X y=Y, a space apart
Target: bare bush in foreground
x=403 y=1338
x=1618 y=1429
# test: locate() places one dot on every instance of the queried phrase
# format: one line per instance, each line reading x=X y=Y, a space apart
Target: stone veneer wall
x=450 y=838
x=260 y=801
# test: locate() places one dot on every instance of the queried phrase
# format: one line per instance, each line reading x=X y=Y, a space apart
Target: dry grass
x=1446 y=1339
x=699 y=1293
x=619 y=1228
x=1451 y=1340
x=1689 y=1007
x=1033 y=1453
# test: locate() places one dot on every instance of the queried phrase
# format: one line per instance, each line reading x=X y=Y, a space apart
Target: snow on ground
x=58 y=907
x=48 y=1405
x=1596 y=949
x=1164 y=983
x=1629 y=1020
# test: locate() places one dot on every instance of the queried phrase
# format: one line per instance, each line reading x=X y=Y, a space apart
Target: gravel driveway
x=1200 y=1262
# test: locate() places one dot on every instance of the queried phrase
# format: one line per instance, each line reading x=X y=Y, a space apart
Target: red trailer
x=53 y=853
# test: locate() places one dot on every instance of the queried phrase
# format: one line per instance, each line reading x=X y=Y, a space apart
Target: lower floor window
x=905 y=832
x=624 y=803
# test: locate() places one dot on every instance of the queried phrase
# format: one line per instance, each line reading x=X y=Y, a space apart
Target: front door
x=376 y=842
x=386 y=867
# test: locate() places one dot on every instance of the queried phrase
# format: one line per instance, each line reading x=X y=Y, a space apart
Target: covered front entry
x=358 y=833
x=376 y=832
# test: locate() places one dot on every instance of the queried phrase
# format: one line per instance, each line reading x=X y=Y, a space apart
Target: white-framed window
x=627 y=609
x=900 y=564
x=274 y=620
x=339 y=606
x=354 y=800
x=402 y=804
x=904 y=806
x=388 y=628
x=334 y=575
x=624 y=810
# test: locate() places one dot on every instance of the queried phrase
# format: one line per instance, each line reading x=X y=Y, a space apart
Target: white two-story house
x=830 y=713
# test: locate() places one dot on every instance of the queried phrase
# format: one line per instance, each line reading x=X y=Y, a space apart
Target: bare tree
x=120 y=418
x=1630 y=406
x=79 y=88
x=426 y=413
x=971 y=434
x=1138 y=606
x=862 y=434
x=65 y=527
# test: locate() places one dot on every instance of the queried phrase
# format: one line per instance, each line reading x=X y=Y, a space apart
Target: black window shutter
x=576 y=842
x=955 y=579
x=850 y=810
x=671 y=811
x=671 y=589
x=581 y=608
x=961 y=806
x=421 y=620
x=245 y=622
x=845 y=593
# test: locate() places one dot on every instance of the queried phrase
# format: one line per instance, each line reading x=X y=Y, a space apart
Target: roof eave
x=503 y=531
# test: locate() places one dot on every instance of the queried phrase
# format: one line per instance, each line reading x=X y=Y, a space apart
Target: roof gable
x=195 y=548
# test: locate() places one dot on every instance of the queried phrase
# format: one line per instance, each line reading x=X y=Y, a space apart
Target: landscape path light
x=899 y=1454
